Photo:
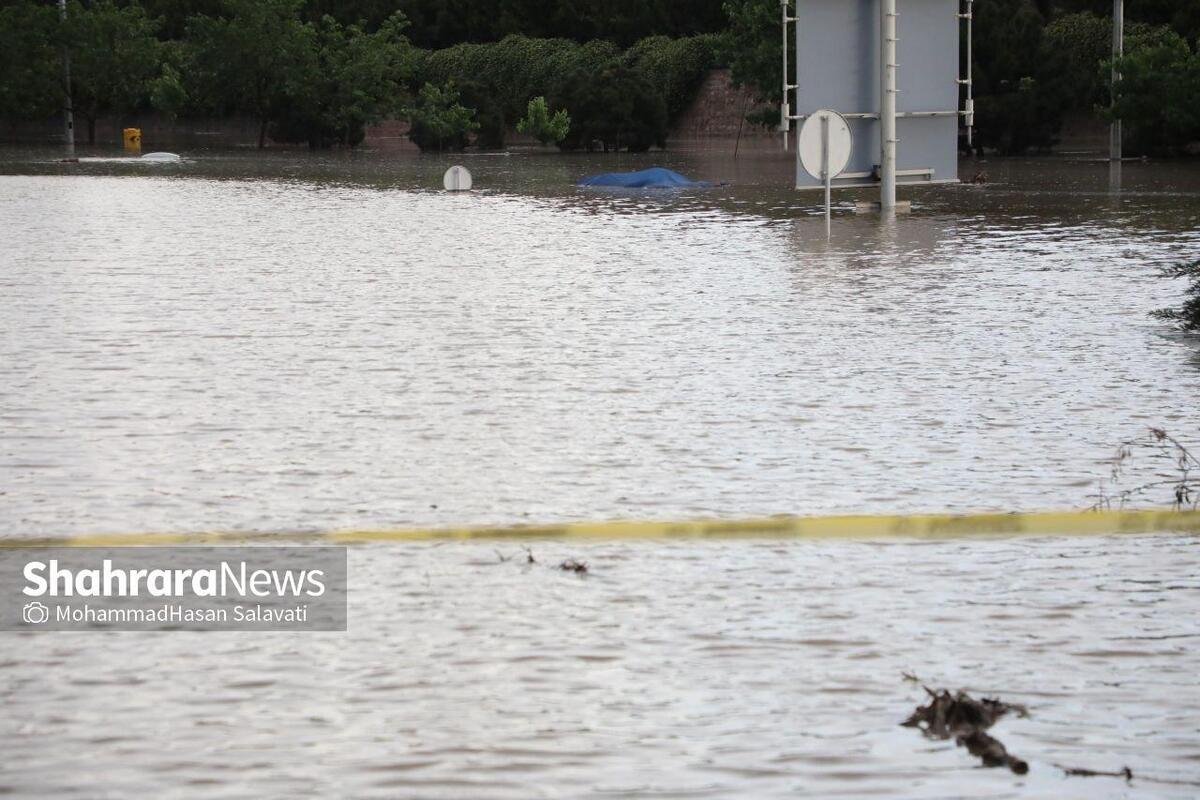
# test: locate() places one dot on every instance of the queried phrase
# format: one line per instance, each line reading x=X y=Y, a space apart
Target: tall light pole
x=1118 y=49
x=68 y=113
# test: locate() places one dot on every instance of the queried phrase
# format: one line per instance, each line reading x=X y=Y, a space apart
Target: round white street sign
x=809 y=143
x=457 y=179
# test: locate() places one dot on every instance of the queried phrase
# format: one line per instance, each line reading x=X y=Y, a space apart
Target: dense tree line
x=320 y=71
x=321 y=78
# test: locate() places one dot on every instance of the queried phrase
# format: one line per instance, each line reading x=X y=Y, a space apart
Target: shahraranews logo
x=48 y=579
x=180 y=588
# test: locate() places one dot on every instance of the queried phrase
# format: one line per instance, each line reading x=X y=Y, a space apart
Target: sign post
x=823 y=146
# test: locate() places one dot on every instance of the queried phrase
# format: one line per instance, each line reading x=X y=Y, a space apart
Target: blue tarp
x=653 y=178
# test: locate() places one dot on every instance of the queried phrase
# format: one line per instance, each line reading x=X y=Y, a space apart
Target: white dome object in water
x=457 y=179
x=160 y=157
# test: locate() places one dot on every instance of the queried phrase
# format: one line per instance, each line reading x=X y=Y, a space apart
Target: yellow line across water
x=919 y=526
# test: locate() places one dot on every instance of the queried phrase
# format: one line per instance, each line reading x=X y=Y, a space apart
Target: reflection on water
x=286 y=341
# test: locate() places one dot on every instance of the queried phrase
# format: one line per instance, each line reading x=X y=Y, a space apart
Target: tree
x=30 y=61
x=358 y=79
x=615 y=105
x=259 y=60
x=115 y=58
x=1083 y=43
x=438 y=121
x=167 y=93
x=539 y=124
x=1158 y=96
x=1019 y=97
x=753 y=49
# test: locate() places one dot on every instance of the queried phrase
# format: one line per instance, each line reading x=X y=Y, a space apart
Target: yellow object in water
x=133 y=140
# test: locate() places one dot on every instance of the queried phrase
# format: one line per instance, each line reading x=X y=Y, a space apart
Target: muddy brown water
x=287 y=342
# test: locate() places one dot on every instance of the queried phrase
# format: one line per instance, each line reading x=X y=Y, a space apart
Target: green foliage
x=677 y=65
x=438 y=121
x=358 y=79
x=1019 y=100
x=260 y=60
x=1187 y=315
x=617 y=107
x=1158 y=96
x=167 y=94
x=539 y=124
x=30 y=61
x=115 y=59
x=498 y=79
x=753 y=48
x=444 y=23
x=1082 y=44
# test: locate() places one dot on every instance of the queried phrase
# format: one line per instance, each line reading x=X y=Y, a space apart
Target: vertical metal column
x=796 y=86
x=825 y=176
x=785 y=114
x=1118 y=49
x=969 y=103
x=887 y=103
x=68 y=111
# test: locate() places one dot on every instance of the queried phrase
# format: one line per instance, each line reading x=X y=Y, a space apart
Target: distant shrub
x=539 y=123
x=438 y=121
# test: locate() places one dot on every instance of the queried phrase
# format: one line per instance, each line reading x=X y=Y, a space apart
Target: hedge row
x=619 y=99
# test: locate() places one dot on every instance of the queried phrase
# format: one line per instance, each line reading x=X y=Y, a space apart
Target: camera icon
x=35 y=613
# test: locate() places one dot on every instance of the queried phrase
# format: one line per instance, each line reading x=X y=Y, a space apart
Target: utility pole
x=887 y=105
x=1118 y=49
x=68 y=113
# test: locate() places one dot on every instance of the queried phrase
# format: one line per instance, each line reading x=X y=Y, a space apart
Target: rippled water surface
x=332 y=343
x=691 y=670
x=289 y=342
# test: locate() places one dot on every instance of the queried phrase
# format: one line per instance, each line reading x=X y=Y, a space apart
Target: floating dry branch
x=1124 y=772
x=965 y=719
x=1166 y=451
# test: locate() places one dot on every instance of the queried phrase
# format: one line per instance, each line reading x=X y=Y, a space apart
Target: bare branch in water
x=1184 y=485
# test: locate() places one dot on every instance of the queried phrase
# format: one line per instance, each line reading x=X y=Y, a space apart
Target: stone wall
x=718 y=111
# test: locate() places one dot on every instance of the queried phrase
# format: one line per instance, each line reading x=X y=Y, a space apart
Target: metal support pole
x=825 y=171
x=1118 y=49
x=68 y=112
x=887 y=105
x=785 y=122
x=969 y=117
x=796 y=85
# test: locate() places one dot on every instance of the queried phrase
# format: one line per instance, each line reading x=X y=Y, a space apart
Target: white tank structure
x=163 y=157
x=891 y=68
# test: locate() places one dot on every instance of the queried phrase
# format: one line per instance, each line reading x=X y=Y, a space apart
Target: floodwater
x=292 y=342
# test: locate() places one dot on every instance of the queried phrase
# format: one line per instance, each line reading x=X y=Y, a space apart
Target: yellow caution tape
x=921 y=526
